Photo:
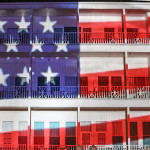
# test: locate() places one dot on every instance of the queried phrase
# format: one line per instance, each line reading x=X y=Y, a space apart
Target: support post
x=148 y=57
x=128 y=127
x=124 y=28
x=78 y=128
x=126 y=83
x=78 y=54
x=30 y=55
x=29 y=128
x=147 y=28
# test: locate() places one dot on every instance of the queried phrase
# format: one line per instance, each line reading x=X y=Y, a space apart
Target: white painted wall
x=53 y=116
x=134 y=114
x=101 y=116
x=100 y=64
x=64 y=68
x=14 y=116
x=137 y=62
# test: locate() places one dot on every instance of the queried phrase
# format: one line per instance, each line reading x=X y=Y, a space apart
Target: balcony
x=74 y=92
x=73 y=147
x=75 y=38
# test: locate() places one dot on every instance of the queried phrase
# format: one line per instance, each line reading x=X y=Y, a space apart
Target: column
x=146 y=37
x=29 y=128
x=78 y=128
x=78 y=54
x=124 y=29
x=148 y=57
x=126 y=83
x=128 y=127
x=30 y=55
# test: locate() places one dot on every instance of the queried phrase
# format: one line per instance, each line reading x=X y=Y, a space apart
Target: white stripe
x=148 y=14
x=99 y=18
x=135 y=18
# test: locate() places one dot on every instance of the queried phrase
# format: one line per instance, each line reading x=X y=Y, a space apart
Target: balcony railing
x=83 y=92
x=73 y=147
x=75 y=38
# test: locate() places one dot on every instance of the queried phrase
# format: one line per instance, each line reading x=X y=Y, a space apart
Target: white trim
x=113 y=5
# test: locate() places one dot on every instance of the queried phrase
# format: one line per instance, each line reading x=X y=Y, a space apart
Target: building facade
x=74 y=74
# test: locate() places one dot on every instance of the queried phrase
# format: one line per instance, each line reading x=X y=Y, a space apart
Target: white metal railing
x=119 y=147
x=73 y=147
x=9 y=92
x=75 y=38
x=84 y=92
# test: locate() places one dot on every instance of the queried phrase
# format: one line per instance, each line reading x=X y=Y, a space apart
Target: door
x=109 y=35
x=132 y=35
x=70 y=34
x=87 y=35
x=86 y=132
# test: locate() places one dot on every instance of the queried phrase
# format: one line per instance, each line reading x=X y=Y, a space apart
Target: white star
x=3 y=78
x=48 y=25
x=11 y=46
x=49 y=74
x=1 y=25
x=36 y=45
x=61 y=47
x=24 y=74
x=23 y=26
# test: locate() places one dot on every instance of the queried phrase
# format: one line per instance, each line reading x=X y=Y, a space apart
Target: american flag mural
x=74 y=73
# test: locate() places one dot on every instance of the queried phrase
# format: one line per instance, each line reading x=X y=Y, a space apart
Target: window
x=39 y=133
x=85 y=125
x=70 y=138
x=42 y=87
x=101 y=138
x=117 y=140
x=117 y=137
x=132 y=29
x=133 y=133
x=55 y=81
x=17 y=81
x=83 y=81
x=70 y=34
x=87 y=35
x=140 y=81
x=55 y=84
x=132 y=35
x=101 y=126
x=108 y=29
x=103 y=81
x=58 y=35
x=7 y=127
x=42 y=81
x=23 y=131
x=54 y=133
x=21 y=37
x=116 y=81
x=18 y=87
x=109 y=35
x=87 y=30
x=86 y=138
x=20 y=81
x=84 y=86
x=146 y=133
x=117 y=128
x=70 y=29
